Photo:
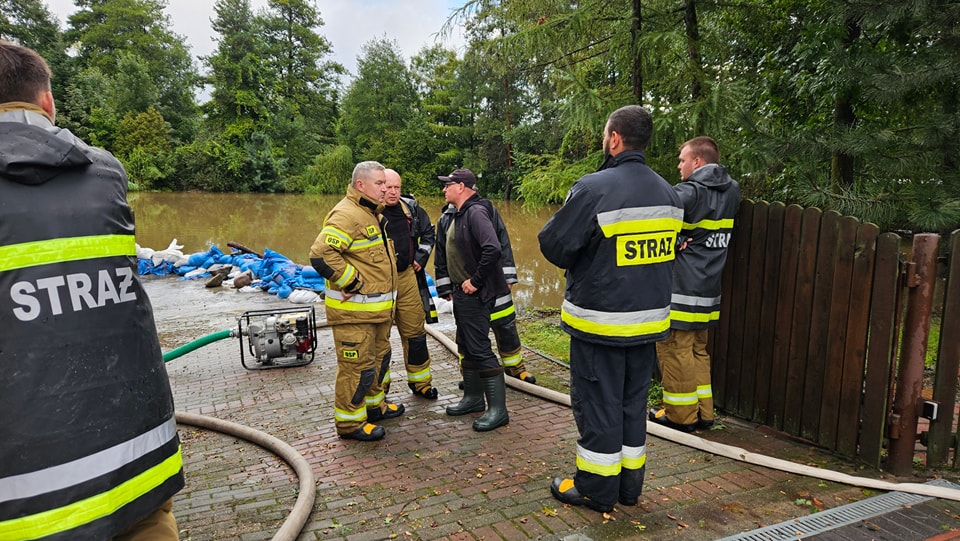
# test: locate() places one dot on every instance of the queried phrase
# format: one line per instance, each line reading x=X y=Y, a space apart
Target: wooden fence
x=808 y=338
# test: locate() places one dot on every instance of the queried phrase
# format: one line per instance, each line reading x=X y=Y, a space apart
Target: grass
x=540 y=330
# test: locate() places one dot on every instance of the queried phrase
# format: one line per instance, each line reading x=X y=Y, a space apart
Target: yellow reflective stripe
x=45 y=252
x=347 y=416
x=387 y=378
x=634 y=458
x=605 y=464
x=614 y=329
x=357 y=306
x=503 y=313
x=680 y=399
x=712 y=225
x=704 y=391
x=375 y=400
x=422 y=375
x=641 y=226
x=512 y=360
x=331 y=231
x=90 y=509
x=347 y=277
x=366 y=243
x=695 y=317
x=433 y=314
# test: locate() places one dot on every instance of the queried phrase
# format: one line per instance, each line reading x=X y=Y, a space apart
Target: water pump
x=277 y=338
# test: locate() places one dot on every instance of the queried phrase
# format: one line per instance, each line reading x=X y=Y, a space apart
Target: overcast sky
x=348 y=24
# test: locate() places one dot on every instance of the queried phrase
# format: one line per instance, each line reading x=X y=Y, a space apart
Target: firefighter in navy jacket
x=412 y=233
x=615 y=236
x=90 y=447
x=710 y=200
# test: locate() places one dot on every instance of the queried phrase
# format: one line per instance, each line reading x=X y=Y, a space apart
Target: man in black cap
x=469 y=253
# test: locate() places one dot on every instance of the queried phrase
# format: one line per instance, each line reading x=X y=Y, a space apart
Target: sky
x=348 y=24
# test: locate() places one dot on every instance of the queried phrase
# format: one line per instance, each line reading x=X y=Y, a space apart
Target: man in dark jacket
x=412 y=233
x=90 y=447
x=469 y=250
x=503 y=317
x=710 y=201
x=615 y=237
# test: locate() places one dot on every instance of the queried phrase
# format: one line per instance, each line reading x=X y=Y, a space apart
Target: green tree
x=144 y=146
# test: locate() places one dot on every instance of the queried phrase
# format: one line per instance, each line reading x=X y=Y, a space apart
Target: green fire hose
x=197 y=344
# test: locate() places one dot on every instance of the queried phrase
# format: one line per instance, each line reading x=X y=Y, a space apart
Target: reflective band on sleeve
x=347 y=277
x=690 y=300
x=90 y=509
x=443 y=281
x=640 y=220
x=510 y=270
x=425 y=247
x=639 y=323
x=345 y=239
x=28 y=485
x=712 y=225
x=605 y=464
x=694 y=317
x=45 y=252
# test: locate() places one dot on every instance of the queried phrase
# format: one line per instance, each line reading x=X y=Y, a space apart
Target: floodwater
x=288 y=224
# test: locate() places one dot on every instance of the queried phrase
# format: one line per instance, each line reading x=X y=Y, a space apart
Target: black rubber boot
x=472 y=401
x=496 y=416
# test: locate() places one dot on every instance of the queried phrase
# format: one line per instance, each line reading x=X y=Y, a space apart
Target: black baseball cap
x=465 y=176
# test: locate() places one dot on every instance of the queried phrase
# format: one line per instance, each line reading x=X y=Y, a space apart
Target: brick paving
x=433 y=477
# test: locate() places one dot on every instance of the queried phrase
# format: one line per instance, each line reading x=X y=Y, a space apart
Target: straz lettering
x=645 y=248
x=717 y=240
x=72 y=292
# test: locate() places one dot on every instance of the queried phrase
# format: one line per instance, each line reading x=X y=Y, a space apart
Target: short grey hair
x=363 y=169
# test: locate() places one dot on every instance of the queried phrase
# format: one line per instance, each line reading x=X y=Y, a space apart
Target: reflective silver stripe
x=689 y=300
x=84 y=469
x=502 y=301
x=638 y=213
x=593 y=457
x=443 y=281
x=425 y=247
x=633 y=452
x=359 y=297
x=617 y=318
x=510 y=270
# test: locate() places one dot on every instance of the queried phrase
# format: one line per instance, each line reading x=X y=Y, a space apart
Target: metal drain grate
x=839 y=516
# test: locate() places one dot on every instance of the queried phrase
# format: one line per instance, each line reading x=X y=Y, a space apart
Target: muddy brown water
x=288 y=224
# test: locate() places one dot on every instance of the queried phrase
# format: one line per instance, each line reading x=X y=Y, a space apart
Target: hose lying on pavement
x=302 y=508
x=730 y=451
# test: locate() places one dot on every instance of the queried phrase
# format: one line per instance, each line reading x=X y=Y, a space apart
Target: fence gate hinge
x=910 y=276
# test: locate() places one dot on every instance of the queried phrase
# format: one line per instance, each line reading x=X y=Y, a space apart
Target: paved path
x=433 y=477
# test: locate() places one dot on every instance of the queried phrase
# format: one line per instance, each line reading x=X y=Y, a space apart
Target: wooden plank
x=768 y=312
x=719 y=336
x=948 y=362
x=741 y=256
x=836 y=337
x=819 y=326
x=855 y=350
x=802 y=312
x=754 y=302
x=880 y=348
x=780 y=357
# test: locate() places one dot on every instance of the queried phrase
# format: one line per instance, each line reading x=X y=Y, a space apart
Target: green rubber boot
x=472 y=401
x=496 y=416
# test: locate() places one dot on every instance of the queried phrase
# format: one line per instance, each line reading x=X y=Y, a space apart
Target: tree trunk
x=693 y=52
x=635 y=47
x=844 y=118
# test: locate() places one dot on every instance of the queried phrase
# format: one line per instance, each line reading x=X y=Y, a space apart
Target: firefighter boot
x=472 y=400
x=496 y=416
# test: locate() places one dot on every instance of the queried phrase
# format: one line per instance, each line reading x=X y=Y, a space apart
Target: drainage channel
x=837 y=517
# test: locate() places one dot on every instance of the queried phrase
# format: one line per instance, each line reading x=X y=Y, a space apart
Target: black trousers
x=473 y=333
x=608 y=392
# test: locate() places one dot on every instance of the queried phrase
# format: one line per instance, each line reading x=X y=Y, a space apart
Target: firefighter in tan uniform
x=357 y=262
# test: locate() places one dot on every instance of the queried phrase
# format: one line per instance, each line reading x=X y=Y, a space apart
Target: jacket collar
x=357 y=197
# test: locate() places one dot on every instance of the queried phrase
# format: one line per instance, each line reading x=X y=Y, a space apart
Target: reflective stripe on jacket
x=353 y=255
x=710 y=201
x=89 y=439
x=615 y=235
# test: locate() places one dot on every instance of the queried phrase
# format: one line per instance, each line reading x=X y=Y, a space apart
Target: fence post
x=921 y=280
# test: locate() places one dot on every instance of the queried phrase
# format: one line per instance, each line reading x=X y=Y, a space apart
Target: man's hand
x=416 y=267
x=346 y=295
x=447 y=297
x=467 y=287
